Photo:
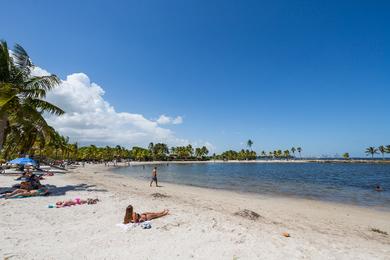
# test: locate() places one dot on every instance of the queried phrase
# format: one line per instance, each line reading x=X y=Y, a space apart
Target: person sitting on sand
x=35 y=183
x=31 y=183
x=134 y=217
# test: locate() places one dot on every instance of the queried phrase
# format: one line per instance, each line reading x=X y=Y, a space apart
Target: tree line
x=249 y=154
x=381 y=149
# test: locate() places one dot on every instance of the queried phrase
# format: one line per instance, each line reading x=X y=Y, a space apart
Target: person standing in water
x=154 y=177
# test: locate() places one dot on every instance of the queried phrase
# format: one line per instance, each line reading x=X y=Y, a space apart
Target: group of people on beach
x=30 y=185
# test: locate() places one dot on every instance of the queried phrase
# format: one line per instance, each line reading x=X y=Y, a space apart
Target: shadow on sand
x=58 y=191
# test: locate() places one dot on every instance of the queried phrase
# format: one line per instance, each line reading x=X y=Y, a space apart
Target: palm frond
x=45 y=106
x=7 y=93
x=21 y=58
x=34 y=93
x=44 y=83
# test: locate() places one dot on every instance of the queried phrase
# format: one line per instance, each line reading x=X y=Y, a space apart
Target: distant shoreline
x=386 y=161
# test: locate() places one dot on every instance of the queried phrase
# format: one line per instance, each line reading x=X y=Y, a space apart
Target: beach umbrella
x=23 y=161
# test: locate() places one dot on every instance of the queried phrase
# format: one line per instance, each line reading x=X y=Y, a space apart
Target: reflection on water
x=346 y=183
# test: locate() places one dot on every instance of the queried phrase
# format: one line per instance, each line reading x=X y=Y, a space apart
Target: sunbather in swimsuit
x=76 y=201
x=26 y=193
x=134 y=217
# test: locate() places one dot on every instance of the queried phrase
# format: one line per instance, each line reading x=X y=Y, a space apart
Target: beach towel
x=126 y=227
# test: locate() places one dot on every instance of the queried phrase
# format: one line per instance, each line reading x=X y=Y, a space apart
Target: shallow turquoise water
x=344 y=183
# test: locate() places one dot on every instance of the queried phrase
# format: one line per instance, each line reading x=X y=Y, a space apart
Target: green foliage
x=387 y=148
x=293 y=150
x=371 y=151
x=201 y=152
x=382 y=150
x=182 y=152
x=241 y=155
x=159 y=151
x=22 y=103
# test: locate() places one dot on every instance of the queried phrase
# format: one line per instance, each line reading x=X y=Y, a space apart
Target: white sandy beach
x=202 y=224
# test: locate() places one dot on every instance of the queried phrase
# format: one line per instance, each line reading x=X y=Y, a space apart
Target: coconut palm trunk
x=3 y=126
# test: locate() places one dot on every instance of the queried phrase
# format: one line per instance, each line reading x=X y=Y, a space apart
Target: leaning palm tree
x=299 y=150
x=371 y=151
x=382 y=150
x=249 y=143
x=22 y=94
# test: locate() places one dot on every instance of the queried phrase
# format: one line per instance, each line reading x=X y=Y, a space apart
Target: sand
x=203 y=223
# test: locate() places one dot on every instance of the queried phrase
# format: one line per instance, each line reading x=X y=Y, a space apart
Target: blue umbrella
x=23 y=161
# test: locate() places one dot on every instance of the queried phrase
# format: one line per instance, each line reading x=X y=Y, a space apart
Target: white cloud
x=91 y=119
x=178 y=120
x=164 y=120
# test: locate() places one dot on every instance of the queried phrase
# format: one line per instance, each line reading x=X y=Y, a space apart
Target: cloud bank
x=91 y=119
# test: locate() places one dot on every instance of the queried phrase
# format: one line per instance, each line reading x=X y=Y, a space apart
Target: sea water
x=352 y=183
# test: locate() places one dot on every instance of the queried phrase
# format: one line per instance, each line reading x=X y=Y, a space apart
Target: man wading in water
x=154 y=177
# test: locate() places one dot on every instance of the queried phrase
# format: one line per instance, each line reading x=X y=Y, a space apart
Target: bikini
x=138 y=218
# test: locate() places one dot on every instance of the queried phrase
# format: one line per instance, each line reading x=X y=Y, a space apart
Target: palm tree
x=387 y=148
x=382 y=150
x=346 y=156
x=277 y=153
x=286 y=154
x=75 y=150
x=293 y=151
x=299 y=150
x=371 y=150
x=249 y=143
x=22 y=96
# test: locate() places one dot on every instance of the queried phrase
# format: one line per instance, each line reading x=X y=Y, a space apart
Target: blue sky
x=314 y=74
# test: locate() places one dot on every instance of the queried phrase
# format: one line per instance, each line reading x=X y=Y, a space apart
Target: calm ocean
x=338 y=182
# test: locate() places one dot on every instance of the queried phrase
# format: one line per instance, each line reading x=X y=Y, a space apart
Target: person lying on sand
x=76 y=201
x=26 y=193
x=134 y=217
